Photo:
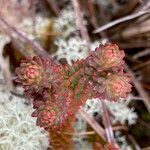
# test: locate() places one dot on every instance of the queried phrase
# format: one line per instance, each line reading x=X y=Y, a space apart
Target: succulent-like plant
x=36 y=73
x=59 y=90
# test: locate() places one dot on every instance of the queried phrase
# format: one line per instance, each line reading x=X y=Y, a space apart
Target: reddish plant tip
x=29 y=72
x=117 y=86
x=47 y=116
x=50 y=116
x=37 y=73
x=110 y=56
x=106 y=56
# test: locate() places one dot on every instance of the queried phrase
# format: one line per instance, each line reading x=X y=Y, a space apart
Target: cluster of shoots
x=57 y=91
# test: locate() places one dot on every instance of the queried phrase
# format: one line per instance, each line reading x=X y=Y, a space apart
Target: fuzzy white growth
x=69 y=43
x=72 y=49
x=121 y=113
x=70 y=46
x=17 y=128
x=66 y=24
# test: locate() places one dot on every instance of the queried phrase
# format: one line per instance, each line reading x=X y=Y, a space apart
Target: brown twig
x=123 y=19
x=98 y=129
x=80 y=23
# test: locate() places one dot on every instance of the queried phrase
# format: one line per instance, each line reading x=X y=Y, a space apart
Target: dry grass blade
x=107 y=124
x=123 y=19
x=98 y=129
x=145 y=52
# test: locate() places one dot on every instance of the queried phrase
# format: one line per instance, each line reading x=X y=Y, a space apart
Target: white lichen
x=18 y=130
x=121 y=113
x=72 y=49
x=66 y=24
x=69 y=44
